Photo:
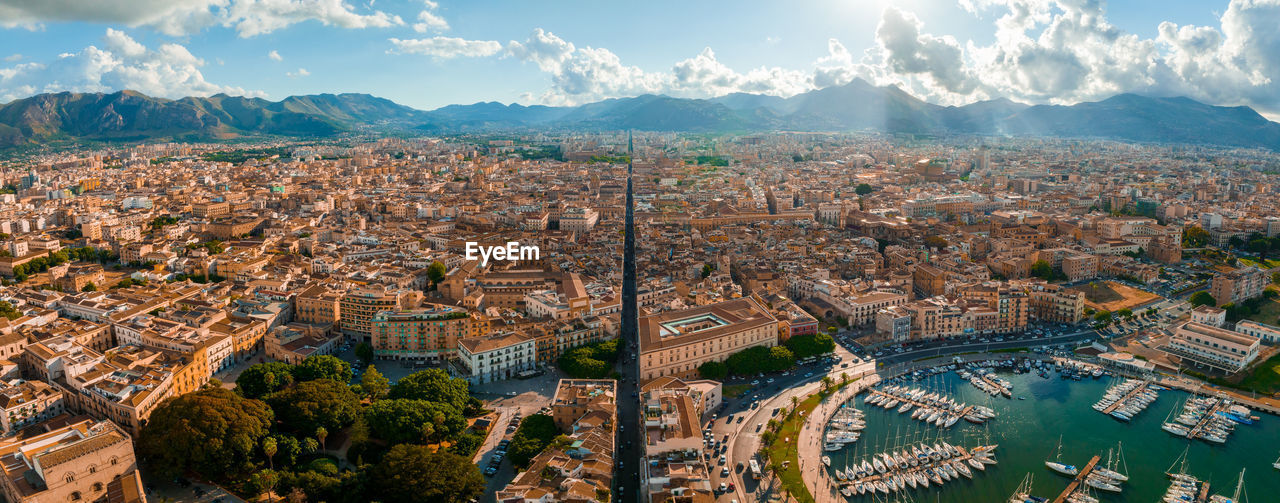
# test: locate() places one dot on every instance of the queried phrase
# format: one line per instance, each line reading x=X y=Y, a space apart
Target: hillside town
x=368 y=310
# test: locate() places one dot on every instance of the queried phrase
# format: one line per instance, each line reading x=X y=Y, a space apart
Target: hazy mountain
x=858 y=105
x=128 y=115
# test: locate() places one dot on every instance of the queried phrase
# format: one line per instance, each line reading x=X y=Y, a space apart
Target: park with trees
x=307 y=431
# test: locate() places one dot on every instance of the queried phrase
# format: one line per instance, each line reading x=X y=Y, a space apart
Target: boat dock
x=1075 y=484
x=1003 y=390
x=921 y=405
x=1203 y=497
x=1198 y=430
x=897 y=473
x=1119 y=403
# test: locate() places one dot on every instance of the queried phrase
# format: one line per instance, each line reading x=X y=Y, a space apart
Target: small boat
x=1101 y=484
x=1068 y=470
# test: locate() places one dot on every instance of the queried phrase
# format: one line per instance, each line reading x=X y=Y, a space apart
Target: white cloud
x=168 y=71
x=182 y=17
x=302 y=72
x=445 y=47
x=586 y=74
x=428 y=20
x=275 y=56
x=13 y=57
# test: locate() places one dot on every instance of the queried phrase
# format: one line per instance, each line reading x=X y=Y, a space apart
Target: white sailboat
x=1065 y=469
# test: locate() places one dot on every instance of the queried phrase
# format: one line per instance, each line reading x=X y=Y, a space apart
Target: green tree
x=324 y=482
x=804 y=346
x=935 y=242
x=532 y=436
x=264 y=378
x=364 y=352
x=322 y=367
x=433 y=385
x=707 y=269
x=1235 y=242
x=414 y=474
x=213 y=432
x=1125 y=313
x=1260 y=246
x=321 y=434
x=1042 y=269
x=1102 y=316
x=1194 y=237
x=309 y=405
x=8 y=311
x=89 y=287
x=862 y=189
x=1202 y=298
x=399 y=421
x=713 y=370
x=374 y=384
x=436 y=272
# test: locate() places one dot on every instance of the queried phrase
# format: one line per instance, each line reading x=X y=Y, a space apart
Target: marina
x=1127 y=399
x=1027 y=432
x=932 y=408
x=917 y=466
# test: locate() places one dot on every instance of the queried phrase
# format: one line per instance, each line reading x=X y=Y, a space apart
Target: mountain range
x=858 y=105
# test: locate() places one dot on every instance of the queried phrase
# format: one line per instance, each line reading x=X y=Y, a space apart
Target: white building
x=497 y=356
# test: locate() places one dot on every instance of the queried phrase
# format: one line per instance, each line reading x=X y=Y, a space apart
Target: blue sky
x=427 y=54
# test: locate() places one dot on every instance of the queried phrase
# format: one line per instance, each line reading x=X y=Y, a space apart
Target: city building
x=675 y=343
x=1214 y=347
x=497 y=356
x=1238 y=285
x=75 y=459
x=429 y=334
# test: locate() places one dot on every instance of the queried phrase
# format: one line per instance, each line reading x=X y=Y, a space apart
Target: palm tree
x=795 y=402
x=826 y=382
x=844 y=378
x=321 y=433
x=269 y=448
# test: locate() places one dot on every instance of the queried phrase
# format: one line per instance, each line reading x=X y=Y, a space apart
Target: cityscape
x=265 y=251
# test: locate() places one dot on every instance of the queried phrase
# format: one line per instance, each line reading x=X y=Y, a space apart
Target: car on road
x=740 y=418
x=723 y=459
x=723 y=488
x=769 y=380
x=724 y=472
x=759 y=425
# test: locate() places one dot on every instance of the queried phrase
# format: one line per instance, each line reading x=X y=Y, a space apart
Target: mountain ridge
x=858 y=105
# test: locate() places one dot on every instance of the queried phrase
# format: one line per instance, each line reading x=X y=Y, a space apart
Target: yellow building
x=675 y=343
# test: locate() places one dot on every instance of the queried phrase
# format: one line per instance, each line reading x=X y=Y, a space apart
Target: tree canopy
x=590 y=361
x=213 y=432
x=433 y=385
x=533 y=435
x=264 y=378
x=804 y=346
x=1194 y=237
x=862 y=189
x=310 y=405
x=760 y=359
x=374 y=384
x=323 y=367
x=414 y=474
x=413 y=421
x=1202 y=298
x=713 y=370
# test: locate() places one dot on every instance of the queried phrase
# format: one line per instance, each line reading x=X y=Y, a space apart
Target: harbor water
x=1028 y=432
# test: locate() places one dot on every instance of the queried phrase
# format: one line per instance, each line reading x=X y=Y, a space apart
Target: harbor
x=1027 y=431
x=932 y=408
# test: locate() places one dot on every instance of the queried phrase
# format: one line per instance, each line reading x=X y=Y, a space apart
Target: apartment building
x=74 y=459
x=1055 y=304
x=24 y=403
x=358 y=307
x=894 y=323
x=555 y=338
x=1212 y=346
x=675 y=343
x=496 y=356
x=430 y=333
x=318 y=305
x=1238 y=285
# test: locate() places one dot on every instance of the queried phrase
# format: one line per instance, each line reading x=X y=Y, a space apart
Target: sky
x=431 y=53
